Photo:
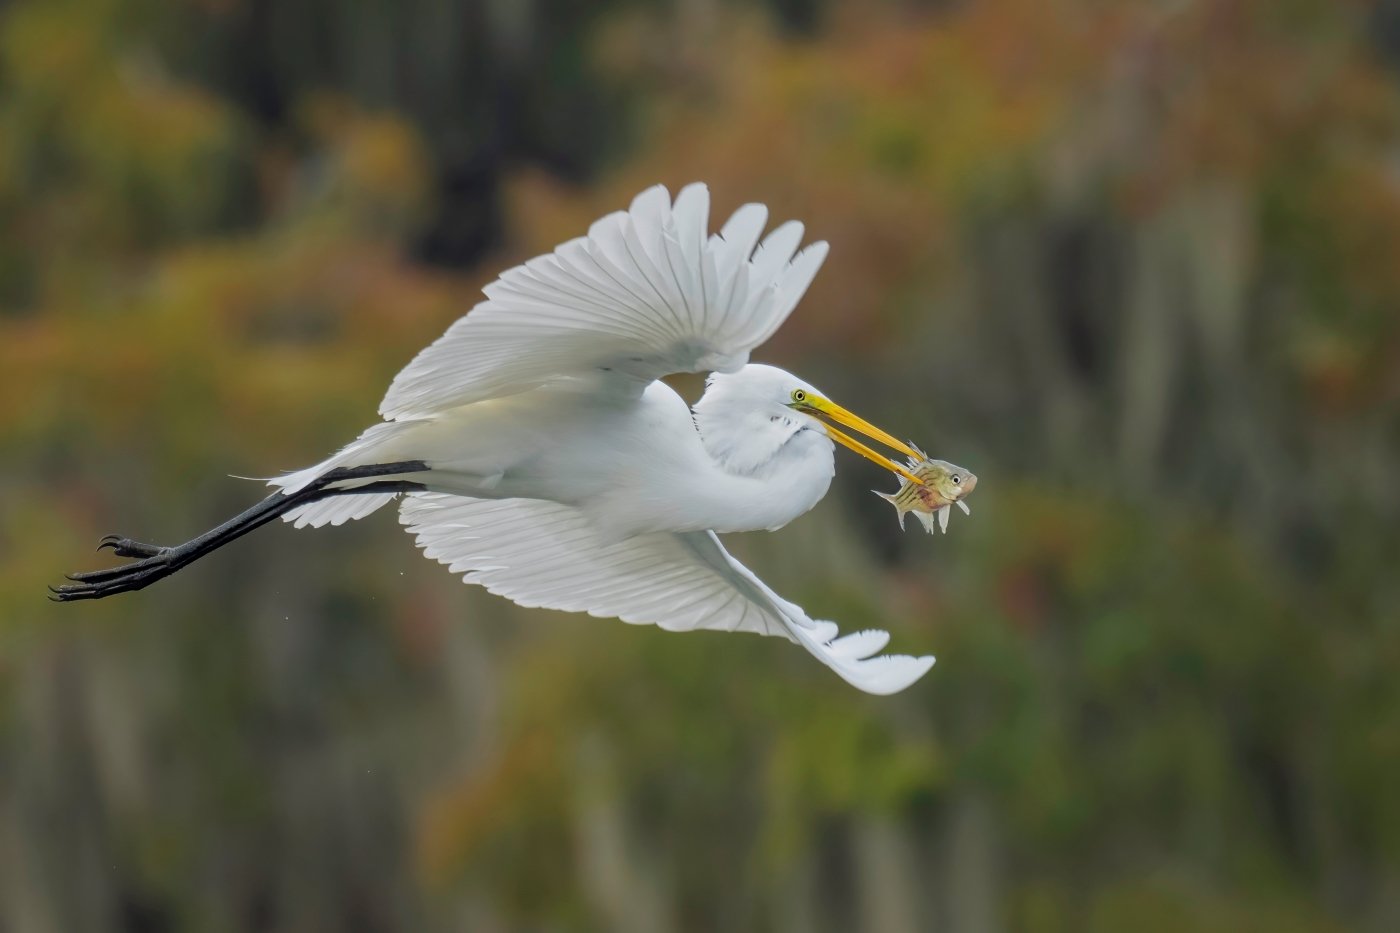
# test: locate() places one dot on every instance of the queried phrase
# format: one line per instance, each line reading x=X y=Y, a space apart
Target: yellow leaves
x=270 y=352
x=106 y=156
x=143 y=128
x=54 y=49
x=875 y=134
x=939 y=102
x=126 y=148
x=377 y=168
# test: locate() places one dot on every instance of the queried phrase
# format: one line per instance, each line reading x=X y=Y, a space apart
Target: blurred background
x=1136 y=263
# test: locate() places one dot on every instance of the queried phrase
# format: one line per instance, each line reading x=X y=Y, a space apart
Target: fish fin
x=926 y=519
x=962 y=504
x=943 y=514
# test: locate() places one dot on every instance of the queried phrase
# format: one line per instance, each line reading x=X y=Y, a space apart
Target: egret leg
x=155 y=562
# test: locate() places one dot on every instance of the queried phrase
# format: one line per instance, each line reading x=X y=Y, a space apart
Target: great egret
x=536 y=453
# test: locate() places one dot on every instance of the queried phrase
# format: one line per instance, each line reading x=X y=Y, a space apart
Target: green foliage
x=1133 y=263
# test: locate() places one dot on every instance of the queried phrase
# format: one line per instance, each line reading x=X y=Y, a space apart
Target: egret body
x=534 y=450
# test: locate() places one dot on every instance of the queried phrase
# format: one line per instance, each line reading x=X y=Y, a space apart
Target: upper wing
x=646 y=293
x=544 y=554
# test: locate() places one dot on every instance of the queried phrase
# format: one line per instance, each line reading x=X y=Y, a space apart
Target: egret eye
x=957 y=480
x=798 y=395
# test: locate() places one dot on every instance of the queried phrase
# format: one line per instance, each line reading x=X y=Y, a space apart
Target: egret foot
x=96 y=584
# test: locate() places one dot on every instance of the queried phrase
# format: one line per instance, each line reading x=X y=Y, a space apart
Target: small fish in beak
x=944 y=485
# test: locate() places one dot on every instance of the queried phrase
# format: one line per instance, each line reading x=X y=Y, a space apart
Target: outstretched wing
x=648 y=292
x=543 y=554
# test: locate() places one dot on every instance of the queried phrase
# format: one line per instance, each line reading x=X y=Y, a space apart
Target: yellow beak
x=816 y=405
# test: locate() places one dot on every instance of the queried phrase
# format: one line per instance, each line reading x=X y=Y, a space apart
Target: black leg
x=156 y=562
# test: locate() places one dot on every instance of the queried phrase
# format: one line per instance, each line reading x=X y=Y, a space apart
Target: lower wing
x=543 y=554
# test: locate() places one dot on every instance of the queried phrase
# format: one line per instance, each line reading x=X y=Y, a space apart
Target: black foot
x=125 y=547
x=96 y=584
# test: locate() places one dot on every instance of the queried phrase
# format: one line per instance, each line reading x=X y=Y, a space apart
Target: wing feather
x=738 y=237
x=337 y=510
x=776 y=251
x=581 y=268
x=793 y=284
x=644 y=294
x=547 y=555
x=685 y=248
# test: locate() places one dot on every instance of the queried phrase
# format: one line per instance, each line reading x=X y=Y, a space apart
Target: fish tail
x=899 y=508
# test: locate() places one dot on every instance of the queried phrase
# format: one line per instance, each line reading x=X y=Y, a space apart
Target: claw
x=71 y=592
x=125 y=547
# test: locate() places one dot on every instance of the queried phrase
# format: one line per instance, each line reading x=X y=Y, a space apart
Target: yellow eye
x=798 y=395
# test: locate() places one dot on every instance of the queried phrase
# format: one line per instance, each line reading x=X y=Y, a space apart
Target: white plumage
x=563 y=475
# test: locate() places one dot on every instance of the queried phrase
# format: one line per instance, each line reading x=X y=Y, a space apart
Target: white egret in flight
x=535 y=451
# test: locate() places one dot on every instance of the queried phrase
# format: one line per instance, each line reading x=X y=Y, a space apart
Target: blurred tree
x=1133 y=262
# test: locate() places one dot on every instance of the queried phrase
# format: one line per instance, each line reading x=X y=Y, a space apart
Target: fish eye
x=798 y=395
x=957 y=480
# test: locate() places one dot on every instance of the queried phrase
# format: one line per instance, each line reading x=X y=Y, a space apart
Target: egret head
x=769 y=406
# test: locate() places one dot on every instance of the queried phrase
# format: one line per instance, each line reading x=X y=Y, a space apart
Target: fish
x=945 y=485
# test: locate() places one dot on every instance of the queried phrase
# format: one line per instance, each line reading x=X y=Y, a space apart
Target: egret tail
x=380 y=443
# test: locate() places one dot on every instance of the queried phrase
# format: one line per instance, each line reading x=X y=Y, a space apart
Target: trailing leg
x=155 y=562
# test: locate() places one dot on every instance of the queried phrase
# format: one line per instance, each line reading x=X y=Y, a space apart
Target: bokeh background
x=1136 y=263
